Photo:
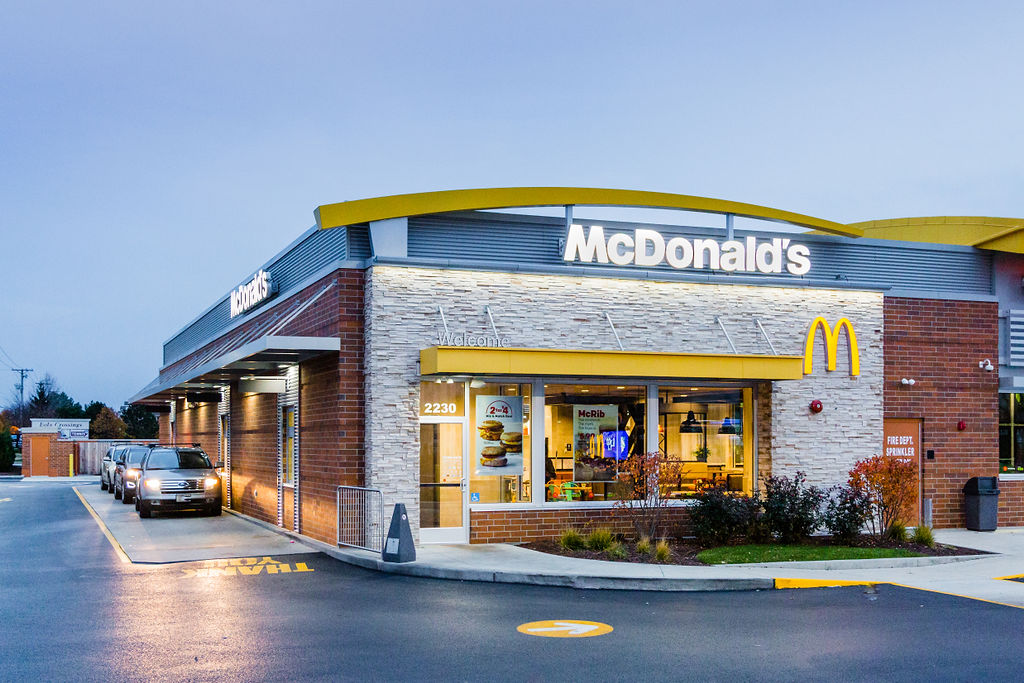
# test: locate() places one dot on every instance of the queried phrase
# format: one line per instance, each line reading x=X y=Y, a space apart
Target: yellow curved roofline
x=397 y=206
x=983 y=232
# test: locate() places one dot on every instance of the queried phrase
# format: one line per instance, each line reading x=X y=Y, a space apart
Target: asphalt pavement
x=72 y=610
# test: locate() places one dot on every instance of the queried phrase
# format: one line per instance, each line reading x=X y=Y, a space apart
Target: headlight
x=132 y=473
x=210 y=482
x=152 y=484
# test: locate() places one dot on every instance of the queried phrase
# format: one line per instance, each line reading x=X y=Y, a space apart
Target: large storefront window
x=704 y=431
x=1011 y=433
x=499 y=441
x=591 y=430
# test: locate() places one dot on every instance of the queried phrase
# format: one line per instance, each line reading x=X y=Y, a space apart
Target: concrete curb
x=368 y=560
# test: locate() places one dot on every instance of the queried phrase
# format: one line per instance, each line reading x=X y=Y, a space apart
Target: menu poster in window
x=589 y=425
x=499 y=436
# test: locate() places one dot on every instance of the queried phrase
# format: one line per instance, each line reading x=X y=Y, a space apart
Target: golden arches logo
x=831 y=337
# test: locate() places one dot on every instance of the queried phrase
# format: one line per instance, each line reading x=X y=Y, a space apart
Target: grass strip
x=745 y=554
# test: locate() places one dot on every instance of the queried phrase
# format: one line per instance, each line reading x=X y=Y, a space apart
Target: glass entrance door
x=442 y=483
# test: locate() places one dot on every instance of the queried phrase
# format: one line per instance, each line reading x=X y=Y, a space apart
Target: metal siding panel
x=313 y=253
x=867 y=265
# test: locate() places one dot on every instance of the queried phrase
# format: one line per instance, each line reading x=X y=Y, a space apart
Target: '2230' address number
x=439 y=408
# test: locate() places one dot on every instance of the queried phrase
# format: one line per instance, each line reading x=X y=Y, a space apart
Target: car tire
x=103 y=484
x=144 y=510
x=215 y=510
x=137 y=503
x=126 y=497
x=117 y=493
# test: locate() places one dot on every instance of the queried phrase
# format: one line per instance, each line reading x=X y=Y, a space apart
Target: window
x=703 y=430
x=591 y=429
x=1011 y=433
x=287 y=445
x=499 y=443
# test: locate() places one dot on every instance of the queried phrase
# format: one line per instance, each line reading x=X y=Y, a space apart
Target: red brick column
x=938 y=344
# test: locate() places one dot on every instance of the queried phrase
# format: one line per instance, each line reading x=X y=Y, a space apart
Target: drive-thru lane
x=71 y=609
x=183 y=536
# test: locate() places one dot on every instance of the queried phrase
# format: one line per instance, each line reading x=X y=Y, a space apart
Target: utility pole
x=23 y=372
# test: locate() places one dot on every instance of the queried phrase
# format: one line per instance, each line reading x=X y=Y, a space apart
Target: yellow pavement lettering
x=245 y=566
x=564 y=628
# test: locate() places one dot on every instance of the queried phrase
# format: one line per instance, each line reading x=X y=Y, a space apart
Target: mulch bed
x=684 y=552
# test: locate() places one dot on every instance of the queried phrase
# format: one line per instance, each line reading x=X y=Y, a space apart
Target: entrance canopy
x=450 y=360
x=264 y=356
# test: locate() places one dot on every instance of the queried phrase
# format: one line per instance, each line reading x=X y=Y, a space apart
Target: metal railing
x=361 y=518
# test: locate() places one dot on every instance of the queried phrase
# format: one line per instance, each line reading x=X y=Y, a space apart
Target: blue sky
x=154 y=154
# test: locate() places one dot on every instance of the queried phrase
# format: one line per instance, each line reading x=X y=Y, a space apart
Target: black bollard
x=398 y=546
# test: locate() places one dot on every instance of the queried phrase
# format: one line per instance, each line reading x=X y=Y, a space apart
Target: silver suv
x=177 y=478
x=107 y=467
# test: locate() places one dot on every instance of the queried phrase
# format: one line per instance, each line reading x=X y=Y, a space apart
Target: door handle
x=462 y=484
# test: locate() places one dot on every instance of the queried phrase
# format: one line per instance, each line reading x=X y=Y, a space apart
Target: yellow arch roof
x=983 y=232
x=397 y=206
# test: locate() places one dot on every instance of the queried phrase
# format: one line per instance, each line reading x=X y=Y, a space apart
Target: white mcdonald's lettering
x=251 y=293
x=831 y=337
x=648 y=248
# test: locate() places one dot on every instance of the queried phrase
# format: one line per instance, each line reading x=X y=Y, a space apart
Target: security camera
x=986 y=365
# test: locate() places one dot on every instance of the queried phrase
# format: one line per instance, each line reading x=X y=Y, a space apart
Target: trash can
x=981 y=503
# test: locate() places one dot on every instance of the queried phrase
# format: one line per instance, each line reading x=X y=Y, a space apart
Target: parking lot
x=182 y=536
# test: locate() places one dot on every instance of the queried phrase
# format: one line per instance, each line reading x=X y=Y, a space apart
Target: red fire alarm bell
x=816 y=406
x=961 y=425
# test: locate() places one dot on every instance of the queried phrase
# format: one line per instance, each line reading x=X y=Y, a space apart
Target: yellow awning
x=452 y=360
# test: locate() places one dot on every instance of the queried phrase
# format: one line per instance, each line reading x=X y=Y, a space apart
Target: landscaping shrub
x=791 y=507
x=570 y=539
x=847 y=511
x=643 y=545
x=642 y=491
x=662 y=552
x=617 y=551
x=719 y=516
x=6 y=449
x=897 y=531
x=600 y=540
x=891 y=485
x=923 y=535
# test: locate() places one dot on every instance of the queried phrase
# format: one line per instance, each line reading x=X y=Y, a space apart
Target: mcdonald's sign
x=831 y=337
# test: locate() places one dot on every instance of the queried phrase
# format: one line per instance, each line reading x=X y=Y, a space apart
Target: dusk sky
x=156 y=154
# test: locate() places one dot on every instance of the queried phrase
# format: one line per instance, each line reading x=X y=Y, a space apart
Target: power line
x=12 y=363
x=23 y=372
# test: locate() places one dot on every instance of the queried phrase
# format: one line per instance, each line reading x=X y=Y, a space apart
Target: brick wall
x=254 y=454
x=938 y=344
x=197 y=424
x=511 y=526
x=331 y=407
x=61 y=453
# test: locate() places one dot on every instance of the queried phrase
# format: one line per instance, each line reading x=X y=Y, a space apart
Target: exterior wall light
x=986 y=365
x=816 y=406
x=909 y=382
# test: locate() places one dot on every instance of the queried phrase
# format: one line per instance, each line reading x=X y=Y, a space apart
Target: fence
x=89 y=454
x=361 y=518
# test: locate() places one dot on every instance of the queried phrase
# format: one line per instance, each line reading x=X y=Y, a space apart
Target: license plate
x=182 y=498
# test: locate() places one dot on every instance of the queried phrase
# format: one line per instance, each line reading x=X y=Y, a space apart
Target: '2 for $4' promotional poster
x=499 y=436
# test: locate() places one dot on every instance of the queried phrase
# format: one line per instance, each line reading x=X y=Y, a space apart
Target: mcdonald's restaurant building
x=495 y=369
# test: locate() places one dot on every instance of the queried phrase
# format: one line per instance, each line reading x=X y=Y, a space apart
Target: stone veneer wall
x=548 y=311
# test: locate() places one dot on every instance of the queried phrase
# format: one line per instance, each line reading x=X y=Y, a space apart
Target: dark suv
x=178 y=478
x=126 y=472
